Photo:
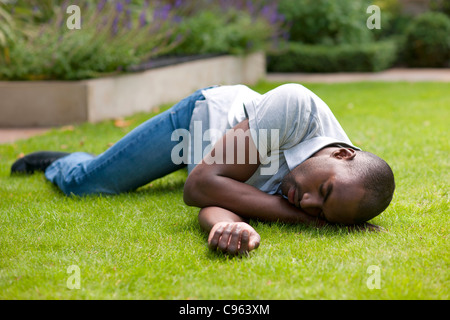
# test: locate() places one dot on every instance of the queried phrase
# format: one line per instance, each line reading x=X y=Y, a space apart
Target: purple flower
x=142 y=19
x=119 y=7
x=178 y=3
x=265 y=11
x=101 y=5
x=177 y=19
x=115 y=25
x=250 y=7
x=271 y=14
x=162 y=13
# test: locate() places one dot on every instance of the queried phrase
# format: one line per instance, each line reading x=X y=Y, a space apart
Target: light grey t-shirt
x=288 y=125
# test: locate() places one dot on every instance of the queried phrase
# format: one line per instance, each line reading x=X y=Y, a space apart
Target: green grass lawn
x=148 y=245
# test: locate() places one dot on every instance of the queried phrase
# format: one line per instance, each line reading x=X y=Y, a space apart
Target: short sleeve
x=280 y=118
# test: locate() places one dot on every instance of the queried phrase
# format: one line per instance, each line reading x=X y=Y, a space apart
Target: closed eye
x=325 y=194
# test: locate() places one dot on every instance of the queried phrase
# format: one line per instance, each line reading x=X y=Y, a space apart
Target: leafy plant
x=233 y=32
x=110 y=39
x=297 y=57
x=116 y=35
x=428 y=41
x=326 y=21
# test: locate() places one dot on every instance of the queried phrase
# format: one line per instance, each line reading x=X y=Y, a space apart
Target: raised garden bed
x=53 y=103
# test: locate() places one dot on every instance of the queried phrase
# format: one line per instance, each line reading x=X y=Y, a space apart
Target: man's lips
x=292 y=196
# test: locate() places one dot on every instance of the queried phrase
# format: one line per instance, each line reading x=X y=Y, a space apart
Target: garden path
x=395 y=74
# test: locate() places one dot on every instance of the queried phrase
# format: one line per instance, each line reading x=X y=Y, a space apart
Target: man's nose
x=311 y=203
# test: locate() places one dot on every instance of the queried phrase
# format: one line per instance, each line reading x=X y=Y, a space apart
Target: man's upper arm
x=234 y=156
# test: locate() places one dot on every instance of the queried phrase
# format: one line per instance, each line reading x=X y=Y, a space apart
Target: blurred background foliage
x=36 y=43
x=298 y=35
x=332 y=36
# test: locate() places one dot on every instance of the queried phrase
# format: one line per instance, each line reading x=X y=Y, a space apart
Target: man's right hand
x=233 y=238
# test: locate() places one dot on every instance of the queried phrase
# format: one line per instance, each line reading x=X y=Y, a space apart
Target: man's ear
x=344 y=154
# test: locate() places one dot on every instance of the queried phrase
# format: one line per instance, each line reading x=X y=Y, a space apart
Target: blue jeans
x=141 y=156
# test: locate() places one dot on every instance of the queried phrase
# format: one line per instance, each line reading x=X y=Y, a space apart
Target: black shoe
x=36 y=161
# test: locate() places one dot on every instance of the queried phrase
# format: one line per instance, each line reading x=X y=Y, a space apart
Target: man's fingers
x=255 y=241
x=245 y=238
x=214 y=237
x=233 y=243
x=233 y=238
x=225 y=238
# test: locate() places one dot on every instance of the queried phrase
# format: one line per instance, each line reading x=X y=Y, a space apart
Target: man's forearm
x=209 y=216
x=244 y=200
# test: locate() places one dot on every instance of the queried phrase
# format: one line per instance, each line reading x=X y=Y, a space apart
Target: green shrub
x=393 y=21
x=327 y=22
x=115 y=36
x=331 y=36
x=297 y=57
x=428 y=41
x=111 y=38
x=225 y=32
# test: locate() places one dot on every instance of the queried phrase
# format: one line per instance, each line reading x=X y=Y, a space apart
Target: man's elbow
x=188 y=194
x=199 y=188
x=192 y=193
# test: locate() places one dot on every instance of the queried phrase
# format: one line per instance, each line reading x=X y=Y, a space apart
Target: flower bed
x=52 y=103
x=123 y=56
x=41 y=40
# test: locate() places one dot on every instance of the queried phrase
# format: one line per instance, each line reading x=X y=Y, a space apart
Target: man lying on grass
x=281 y=156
